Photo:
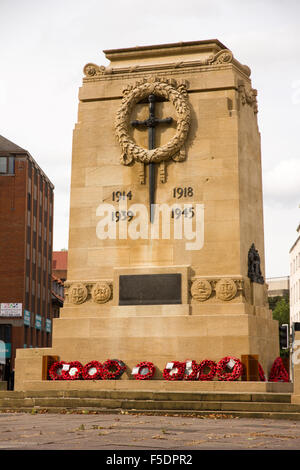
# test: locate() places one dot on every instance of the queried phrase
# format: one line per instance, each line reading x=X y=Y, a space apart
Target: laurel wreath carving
x=132 y=94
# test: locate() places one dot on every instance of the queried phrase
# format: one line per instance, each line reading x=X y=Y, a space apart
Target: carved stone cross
x=151 y=123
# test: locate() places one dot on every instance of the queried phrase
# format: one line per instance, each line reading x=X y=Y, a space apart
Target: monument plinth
x=166 y=242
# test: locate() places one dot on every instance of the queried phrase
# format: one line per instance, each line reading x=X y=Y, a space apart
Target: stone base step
x=186 y=402
x=150 y=395
x=192 y=403
x=295 y=416
x=74 y=403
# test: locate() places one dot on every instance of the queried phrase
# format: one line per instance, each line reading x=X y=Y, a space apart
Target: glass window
x=11 y=165
x=3 y=165
x=7 y=165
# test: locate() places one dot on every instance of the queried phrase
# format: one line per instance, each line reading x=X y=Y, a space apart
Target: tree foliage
x=281 y=311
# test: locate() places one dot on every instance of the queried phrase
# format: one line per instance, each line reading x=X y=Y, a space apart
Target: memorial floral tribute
x=144 y=370
x=92 y=371
x=261 y=373
x=232 y=363
x=278 y=372
x=191 y=370
x=112 y=369
x=209 y=365
x=74 y=371
x=56 y=370
x=174 y=370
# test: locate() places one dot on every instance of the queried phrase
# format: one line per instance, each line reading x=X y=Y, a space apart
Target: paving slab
x=75 y=431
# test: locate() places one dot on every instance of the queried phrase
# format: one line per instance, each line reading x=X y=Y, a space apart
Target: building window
x=26 y=335
x=7 y=165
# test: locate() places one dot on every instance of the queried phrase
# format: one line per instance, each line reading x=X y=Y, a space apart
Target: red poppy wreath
x=209 y=365
x=191 y=370
x=144 y=370
x=278 y=372
x=112 y=369
x=56 y=370
x=92 y=371
x=229 y=363
x=174 y=370
x=74 y=372
x=261 y=373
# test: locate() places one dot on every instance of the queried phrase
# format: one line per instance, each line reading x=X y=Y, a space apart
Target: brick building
x=26 y=233
x=60 y=264
x=57 y=296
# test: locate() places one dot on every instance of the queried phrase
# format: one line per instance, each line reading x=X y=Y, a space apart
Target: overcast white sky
x=44 y=45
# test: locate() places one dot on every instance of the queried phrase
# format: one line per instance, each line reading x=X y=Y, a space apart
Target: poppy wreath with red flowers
x=56 y=370
x=261 y=373
x=235 y=373
x=191 y=372
x=74 y=372
x=92 y=371
x=112 y=369
x=145 y=365
x=179 y=367
x=207 y=364
x=278 y=372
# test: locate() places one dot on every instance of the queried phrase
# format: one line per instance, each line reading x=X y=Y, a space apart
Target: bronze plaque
x=150 y=289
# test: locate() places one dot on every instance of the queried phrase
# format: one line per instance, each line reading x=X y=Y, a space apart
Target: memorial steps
x=256 y=404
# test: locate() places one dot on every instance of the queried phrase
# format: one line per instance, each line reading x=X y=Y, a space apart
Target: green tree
x=281 y=311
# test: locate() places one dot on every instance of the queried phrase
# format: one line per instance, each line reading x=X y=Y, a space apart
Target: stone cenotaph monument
x=166 y=239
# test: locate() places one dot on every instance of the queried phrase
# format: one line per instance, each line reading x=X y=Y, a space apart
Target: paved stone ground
x=47 y=431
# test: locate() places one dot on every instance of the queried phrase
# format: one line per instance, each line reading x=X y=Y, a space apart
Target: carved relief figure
x=201 y=290
x=226 y=289
x=101 y=292
x=78 y=293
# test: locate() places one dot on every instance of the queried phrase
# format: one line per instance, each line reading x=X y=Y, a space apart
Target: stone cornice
x=222 y=58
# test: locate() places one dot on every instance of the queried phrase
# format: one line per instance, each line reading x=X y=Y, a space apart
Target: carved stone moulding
x=248 y=96
x=224 y=289
x=169 y=89
x=78 y=293
x=99 y=292
x=222 y=58
x=201 y=290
